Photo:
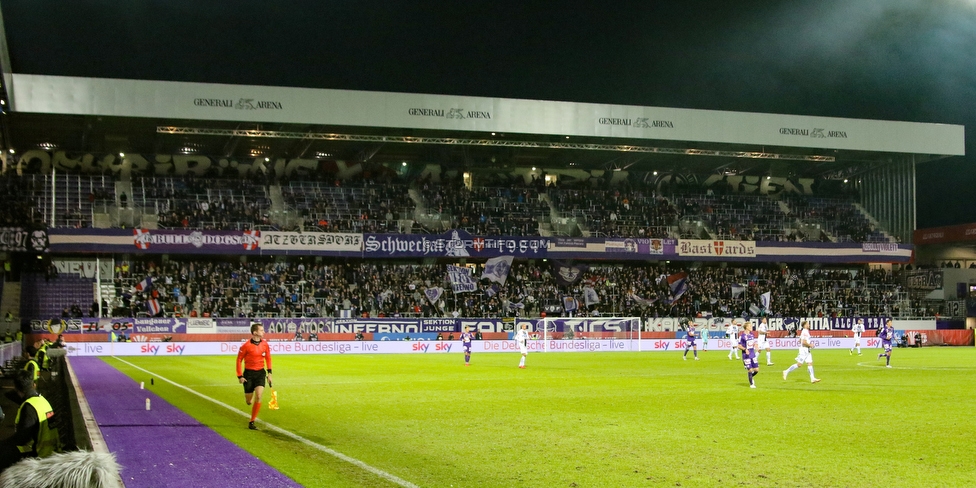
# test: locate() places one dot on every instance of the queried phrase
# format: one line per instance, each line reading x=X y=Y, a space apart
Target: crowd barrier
x=9 y=351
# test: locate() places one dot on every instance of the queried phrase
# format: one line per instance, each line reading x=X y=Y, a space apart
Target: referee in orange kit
x=256 y=354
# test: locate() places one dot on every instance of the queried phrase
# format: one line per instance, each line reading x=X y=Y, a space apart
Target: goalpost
x=590 y=328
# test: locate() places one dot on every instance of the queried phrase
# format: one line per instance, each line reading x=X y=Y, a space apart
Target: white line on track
x=378 y=472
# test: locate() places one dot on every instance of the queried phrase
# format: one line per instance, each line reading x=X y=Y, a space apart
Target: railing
x=10 y=351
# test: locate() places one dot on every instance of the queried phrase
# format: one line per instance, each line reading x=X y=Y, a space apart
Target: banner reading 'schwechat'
x=454 y=243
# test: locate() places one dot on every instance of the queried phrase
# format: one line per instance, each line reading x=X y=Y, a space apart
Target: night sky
x=912 y=60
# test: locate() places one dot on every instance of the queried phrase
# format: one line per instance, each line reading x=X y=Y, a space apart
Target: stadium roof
x=97 y=115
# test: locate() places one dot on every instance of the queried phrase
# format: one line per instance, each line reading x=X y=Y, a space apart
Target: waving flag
x=568 y=274
x=153 y=306
x=643 y=302
x=570 y=304
x=144 y=284
x=678 y=283
x=766 y=298
x=433 y=294
x=461 y=281
x=737 y=290
x=590 y=296
x=496 y=269
x=492 y=291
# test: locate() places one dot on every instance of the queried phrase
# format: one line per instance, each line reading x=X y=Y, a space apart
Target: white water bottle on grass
x=147 y=404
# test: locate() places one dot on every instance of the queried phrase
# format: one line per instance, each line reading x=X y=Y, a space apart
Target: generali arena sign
x=427 y=347
x=49 y=94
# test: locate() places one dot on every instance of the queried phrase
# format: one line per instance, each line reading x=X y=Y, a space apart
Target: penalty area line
x=351 y=460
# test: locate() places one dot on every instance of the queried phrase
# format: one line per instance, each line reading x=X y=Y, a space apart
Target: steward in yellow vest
x=32 y=367
x=34 y=436
x=42 y=357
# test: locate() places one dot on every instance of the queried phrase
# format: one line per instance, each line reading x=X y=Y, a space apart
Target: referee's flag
x=273 y=403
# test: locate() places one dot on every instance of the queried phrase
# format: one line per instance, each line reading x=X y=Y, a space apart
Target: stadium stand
x=498 y=211
x=617 y=212
x=19 y=207
x=353 y=206
x=385 y=205
x=297 y=287
x=217 y=203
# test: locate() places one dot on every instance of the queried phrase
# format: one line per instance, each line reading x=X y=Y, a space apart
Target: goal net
x=589 y=328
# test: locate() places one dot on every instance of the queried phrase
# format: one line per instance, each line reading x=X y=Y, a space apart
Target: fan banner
x=497 y=269
x=461 y=280
x=455 y=243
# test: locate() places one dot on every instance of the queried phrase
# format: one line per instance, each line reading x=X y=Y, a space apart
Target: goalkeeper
x=256 y=354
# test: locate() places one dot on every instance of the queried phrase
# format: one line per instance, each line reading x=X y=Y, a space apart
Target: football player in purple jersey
x=466 y=338
x=691 y=340
x=747 y=344
x=887 y=335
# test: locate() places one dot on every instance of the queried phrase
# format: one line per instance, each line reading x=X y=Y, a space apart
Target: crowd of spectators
x=838 y=216
x=509 y=207
x=356 y=205
x=308 y=287
x=626 y=211
x=192 y=203
x=495 y=206
x=739 y=217
x=15 y=198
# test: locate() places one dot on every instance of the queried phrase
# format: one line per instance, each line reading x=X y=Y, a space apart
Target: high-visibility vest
x=42 y=354
x=47 y=441
x=37 y=369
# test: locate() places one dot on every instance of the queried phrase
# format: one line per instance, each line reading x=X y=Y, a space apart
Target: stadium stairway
x=874 y=223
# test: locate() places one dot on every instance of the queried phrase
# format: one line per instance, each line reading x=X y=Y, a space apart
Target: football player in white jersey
x=857 y=329
x=522 y=339
x=764 y=341
x=732 y=331
x=804 y=356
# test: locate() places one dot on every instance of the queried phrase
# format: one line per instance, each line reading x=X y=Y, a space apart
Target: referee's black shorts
x=254 y=378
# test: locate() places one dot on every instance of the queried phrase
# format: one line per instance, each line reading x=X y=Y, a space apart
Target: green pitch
x=597 y=419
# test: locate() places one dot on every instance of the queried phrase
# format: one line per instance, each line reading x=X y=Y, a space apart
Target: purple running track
x=164 y=447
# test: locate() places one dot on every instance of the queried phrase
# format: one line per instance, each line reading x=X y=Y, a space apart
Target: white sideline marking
x=331 y=452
